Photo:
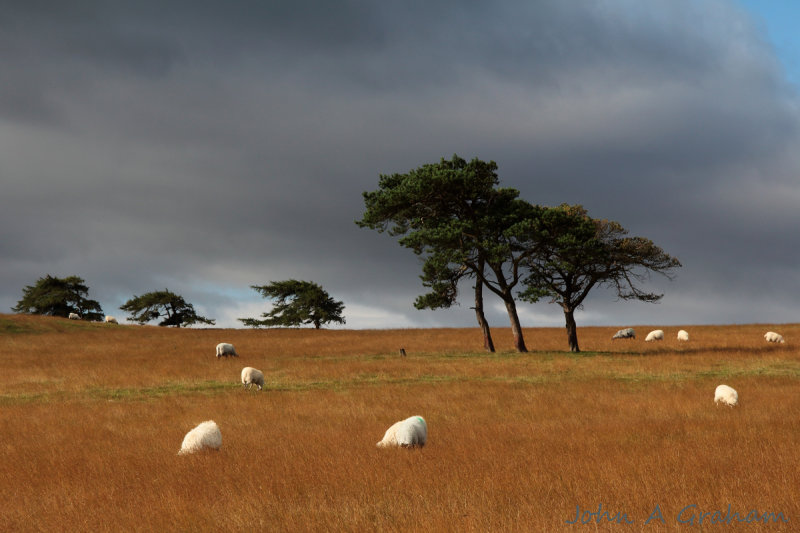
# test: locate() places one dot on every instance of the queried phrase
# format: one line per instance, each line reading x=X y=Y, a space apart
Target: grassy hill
x=93 y=416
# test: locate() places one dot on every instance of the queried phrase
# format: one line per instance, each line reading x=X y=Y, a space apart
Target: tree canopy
x=297 y=303
x=456 y=217
x=59 y=297
x=165 y=305
x=453 y=214
x=574 y=253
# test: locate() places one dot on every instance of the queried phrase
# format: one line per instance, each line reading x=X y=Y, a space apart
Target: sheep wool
x=74 y=316
x=683 y=335
x=205 y=435
x=252 y=376
x=110 y=319
x=726 y=395
x=410 y=432
x=627 y=333
x=655 y=335
x=224 y=349
x=771 y=336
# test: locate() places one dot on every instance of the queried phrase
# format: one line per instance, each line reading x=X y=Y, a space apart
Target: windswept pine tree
x=573 y=253
x=171 y=308
x=59 y=297
x=297 y=303
x=453 y=215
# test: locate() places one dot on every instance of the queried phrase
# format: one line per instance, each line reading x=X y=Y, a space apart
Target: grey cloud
x=206 y=147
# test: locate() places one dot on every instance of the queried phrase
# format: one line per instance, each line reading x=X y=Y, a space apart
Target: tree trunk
x=572 y=330
x=516 y=329
x=504 y=290
x=488 y=344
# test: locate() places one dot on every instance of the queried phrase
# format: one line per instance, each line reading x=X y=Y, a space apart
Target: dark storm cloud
x=208 y=146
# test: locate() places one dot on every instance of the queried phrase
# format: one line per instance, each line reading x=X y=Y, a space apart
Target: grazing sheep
x=252 y=376
x=626 y=333
x=111 y=319
x=205 y=435
x=771 y=336
x=683 y=335
x=224 y=350
x=655 y=335
x=407 y=433
x=74 y=316
x=726 y=395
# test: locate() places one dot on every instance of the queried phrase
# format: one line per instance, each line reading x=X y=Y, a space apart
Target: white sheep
x=205 y=435
x=407 y=433
x=252 y=376
x=225 y=349
x=74 y=316
x=771 y=336
x=626 y=333
x=111 y=319
x=655 y=335
x=683 y=335
x=726 y=395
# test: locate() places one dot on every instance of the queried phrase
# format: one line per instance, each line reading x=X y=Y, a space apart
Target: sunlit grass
x=93 y=417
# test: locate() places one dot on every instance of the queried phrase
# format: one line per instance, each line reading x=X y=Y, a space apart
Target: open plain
x=624 y=436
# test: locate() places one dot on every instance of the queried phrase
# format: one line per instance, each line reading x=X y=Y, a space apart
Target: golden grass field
x=92 y=417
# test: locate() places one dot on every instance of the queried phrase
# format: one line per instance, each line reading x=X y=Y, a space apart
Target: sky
x=205 y=147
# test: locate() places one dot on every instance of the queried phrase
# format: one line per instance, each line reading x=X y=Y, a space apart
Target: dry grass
x=93 y=416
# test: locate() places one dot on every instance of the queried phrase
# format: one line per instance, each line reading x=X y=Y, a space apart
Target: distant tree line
x=454 y=215
x=297 y=303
